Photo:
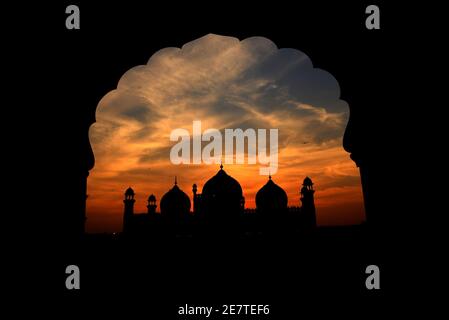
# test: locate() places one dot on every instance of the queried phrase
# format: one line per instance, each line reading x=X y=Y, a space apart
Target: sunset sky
x=224 y=83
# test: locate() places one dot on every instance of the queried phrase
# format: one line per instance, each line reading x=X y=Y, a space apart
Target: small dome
x=307 y=182
x=175 y=203
x=129 y=192
x=271 y=197
x=152 y=198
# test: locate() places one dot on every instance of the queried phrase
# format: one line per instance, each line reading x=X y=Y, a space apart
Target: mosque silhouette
x=220 y=211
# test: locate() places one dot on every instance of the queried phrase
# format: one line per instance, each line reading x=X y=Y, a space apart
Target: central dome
x=222 y=197
x=222 y=185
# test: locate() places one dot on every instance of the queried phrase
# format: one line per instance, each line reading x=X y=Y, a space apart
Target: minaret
x=129 y=208
x=151 y=204
x=308 y=203
x=242 y=204
x=195 y=200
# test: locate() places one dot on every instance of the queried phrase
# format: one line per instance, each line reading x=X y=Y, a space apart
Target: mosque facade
x=220 y=209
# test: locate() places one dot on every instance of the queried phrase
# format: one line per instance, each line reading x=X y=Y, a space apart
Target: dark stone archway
x=102 y=52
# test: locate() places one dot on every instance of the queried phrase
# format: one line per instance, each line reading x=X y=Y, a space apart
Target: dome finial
x=221 y=165
x=176 y=180
x=269 y=175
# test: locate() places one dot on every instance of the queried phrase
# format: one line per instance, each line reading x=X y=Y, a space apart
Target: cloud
x=225 y=83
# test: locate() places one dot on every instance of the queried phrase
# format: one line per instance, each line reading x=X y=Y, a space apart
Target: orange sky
x=225 y=83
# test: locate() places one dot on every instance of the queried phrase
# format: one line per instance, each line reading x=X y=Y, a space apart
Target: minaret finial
x=176 y=180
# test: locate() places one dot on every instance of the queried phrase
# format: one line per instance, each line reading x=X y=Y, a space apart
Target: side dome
x=175 y=203
x=271 y=197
